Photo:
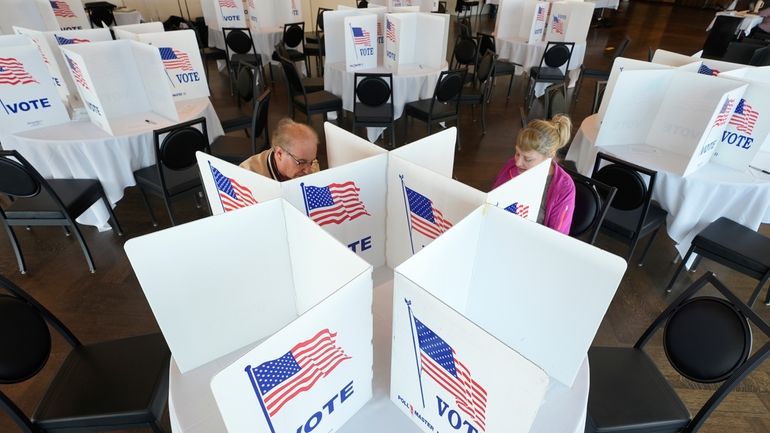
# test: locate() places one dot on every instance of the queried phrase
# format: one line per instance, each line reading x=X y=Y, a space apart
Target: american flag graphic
x=66 y=41
x=724 y=112
x=175 y=59
x=744 y=118
x=227 y=4
x=361 y=37
x=390 y=31
x=12 y=72
x=62 y=9
x=282 y=379
x=519 y=209
x=705 y=70
x=77 y=73
x=540 y=13
x=233 y=194
x=379 y=30
x=558 y=24
x=335 y=203
x=425 y=218
x=439 y=361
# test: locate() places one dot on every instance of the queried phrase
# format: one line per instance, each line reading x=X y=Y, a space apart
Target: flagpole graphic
x=406 y=208
x=250 y=373
x=414 y=345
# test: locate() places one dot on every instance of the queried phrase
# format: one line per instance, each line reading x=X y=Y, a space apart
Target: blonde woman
x=537 y=142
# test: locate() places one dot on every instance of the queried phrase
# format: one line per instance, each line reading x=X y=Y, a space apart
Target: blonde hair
x=287 y=131
x=545 y=136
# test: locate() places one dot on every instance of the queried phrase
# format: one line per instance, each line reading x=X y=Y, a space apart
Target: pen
x=149 y=121
x=757 y=168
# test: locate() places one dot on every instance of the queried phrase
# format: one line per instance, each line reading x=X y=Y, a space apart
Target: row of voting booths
x=469 y=347
x=685 y=111
x=43 y=15
x=537 y=21
x=122 y=86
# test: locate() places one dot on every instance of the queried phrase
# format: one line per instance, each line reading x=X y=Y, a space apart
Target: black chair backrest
x=176 y=151
x=292 y=77
x=373 y=90
x=101 y=16
x=557 y=54
x=739 y=52
x=486 y=43
x=465 y=52
x=724 y=30
x=441 y=7
x=238 y=40
x=592 y=200
x=245 y=84
x=622 y=48
x=761 y=57
x=556 y=102
x=486 y=66
x=319 y=19
x=17 y=177
x=259 y=120
x=363 y=4
x=450 y=85
x=464 y=28
x=293 y=34
x=633 y=191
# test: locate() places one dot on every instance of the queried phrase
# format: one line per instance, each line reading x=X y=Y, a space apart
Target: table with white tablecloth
x=410 y=83
x=528 y=55
x=126 y=17
x=192 y=408
x=692 y=202
x=82 y=150
x=748 y=21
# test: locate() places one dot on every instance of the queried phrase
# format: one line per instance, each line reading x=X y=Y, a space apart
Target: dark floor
x=110 y=303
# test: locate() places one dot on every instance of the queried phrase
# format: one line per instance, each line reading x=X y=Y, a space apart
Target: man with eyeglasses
x=293 y=153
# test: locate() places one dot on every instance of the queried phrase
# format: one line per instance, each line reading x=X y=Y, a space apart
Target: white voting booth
x=522 y=19
x=126 y=94
x=401 y=32
x=25 y=13
x=476 y=332
x=182 y=61
x=292 y=296
x=570 y=21
x=69 y=14
x=29 y=99
x=132 y=31
x=672 y=117
x=273 y=13
x=361 y=47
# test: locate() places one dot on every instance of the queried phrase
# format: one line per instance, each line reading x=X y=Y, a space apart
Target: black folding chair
x=41 y=202
x=632 y=214
x=443 y=105
x=706 y=339
x=599 y=74
x=465 y=54
x=175 y=172
x=239 y=48
x=237 y=149
x=473 y=97
x=320 y=102
x=294 y=42
x=248 y=84
x=502 y=67
x=724 y=31
x=373 y=102
x=100 y=14
x=112 y=385
x=592 y=200
x=553 y=68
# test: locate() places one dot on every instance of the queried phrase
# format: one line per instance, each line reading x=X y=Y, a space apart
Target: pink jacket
x=559 y=200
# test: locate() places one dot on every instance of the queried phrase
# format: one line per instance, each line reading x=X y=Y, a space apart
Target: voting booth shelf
x=28 y=96
x=123 y=84
x=472 y=349
x=297 y=299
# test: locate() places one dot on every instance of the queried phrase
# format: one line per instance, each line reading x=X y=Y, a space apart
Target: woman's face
x=527 y=159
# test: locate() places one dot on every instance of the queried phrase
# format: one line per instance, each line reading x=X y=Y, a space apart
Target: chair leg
x=647 y=248
x=83 y=246
x=113 y=220
x=577 y=86
x=16 y=248
x=510 y=84
x=758 y=289
x=483 y=117
x=167 y=203
x=66 y=231
x=149 y=208
x=679 y=268
x=392 y=135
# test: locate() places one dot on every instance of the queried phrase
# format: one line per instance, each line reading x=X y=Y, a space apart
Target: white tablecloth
x=529 y=55
x=124 y=18
x=692 y=202
x=749 y=21
x=81 y=150
x=410 y=84
x=192 y=408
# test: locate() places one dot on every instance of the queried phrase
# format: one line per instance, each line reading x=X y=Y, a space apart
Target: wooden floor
x=110 y=303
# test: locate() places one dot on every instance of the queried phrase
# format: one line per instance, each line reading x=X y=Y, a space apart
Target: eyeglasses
x=300 y=162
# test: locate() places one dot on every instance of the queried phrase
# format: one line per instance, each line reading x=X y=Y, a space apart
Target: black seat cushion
x=244 y=58
x=236 y=123
x=108 y=384
x=379 y=114
x=421 y=110
x=470 y=96
x=624 y=222
x=737 y=243
x=595 y=73
x=504 y=68
x=315 y=84
x=312 y=49
x=176 y=181
x=629 y=394
x=320 y=101
x=546 y=73
x=76 y=194
x=232 y=149
x=211 y=53
x=295 y=54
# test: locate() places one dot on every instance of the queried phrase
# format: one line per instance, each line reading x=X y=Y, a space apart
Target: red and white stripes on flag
x=227 y=4
x=744 y=118
x=724 y=113
x=12 y=72
x=335 y=203
x=62 y=9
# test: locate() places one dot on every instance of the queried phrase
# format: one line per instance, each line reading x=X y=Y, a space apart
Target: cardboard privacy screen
x=128 y=93
x=29 y=14
x=401 y=32
x=182 y=62
x=475 y=343
x=569 y=21
x=273 y=13
x=672 y=119
x=132 y=31
x=522 y=19
x=361 y=46
x=68 y=13
x=27 y=94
